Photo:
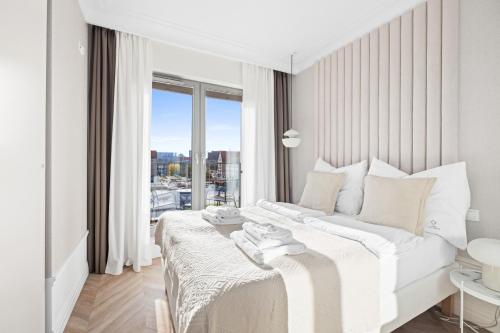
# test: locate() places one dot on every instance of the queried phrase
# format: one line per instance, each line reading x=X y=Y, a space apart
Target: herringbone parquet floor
x=131 y=302
x=136 y=303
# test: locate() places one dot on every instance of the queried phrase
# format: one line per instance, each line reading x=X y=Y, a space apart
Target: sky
x=171 y=122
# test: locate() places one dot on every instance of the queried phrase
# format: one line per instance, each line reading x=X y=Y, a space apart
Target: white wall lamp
x=291 y=138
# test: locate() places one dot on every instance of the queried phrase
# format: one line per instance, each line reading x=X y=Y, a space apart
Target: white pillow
x=448 y=201
x=350 y=197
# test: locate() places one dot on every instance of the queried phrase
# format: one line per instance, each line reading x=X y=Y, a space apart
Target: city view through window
x=172 y=154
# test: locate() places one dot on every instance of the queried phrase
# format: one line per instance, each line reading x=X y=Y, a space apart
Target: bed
x=213 y=287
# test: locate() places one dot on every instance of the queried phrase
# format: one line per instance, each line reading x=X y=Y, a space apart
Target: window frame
x=200 y=90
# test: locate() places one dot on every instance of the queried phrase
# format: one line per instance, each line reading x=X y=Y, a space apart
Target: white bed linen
x=426 y=258
x=414 y=257
x=289 y=210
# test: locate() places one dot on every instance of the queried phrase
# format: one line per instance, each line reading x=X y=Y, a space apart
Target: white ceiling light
x=291 y=137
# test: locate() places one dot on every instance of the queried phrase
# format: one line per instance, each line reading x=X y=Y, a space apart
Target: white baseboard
x=475 y=310
x=62 y=289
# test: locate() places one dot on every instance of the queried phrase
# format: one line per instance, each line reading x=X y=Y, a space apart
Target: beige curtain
x=102 y=60
x=281 y=124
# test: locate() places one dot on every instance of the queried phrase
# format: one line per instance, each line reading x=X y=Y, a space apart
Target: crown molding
x=178 y=35
x=103 y=14
x=380 y=16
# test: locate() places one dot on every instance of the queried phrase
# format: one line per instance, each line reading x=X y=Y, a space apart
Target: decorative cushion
x=321 y=191
x=350 y=197
x=398 y=203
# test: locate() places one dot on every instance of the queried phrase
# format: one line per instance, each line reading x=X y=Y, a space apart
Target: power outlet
x=473 y=215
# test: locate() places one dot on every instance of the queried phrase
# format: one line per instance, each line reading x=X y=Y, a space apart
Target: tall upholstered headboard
x=393 y=93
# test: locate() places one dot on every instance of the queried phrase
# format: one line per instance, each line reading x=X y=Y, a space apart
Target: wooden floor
x=131 y=302
x=136 y=302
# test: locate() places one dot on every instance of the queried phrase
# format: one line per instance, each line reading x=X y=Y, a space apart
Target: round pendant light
x=291 y=138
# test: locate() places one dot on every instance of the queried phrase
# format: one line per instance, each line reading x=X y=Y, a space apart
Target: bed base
x=169 y=289
x=421 y=295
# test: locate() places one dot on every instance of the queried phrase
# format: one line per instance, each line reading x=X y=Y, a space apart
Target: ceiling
x=263 y=32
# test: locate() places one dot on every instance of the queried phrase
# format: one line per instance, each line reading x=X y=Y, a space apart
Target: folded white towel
x=215 y=219
x=266 y=231
x=263 y=244
x=224 y=211
x=265 y=256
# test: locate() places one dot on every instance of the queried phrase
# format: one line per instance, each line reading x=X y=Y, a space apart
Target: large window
x=195 y=145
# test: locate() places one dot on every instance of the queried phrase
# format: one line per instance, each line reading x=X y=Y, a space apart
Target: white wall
x=67 y=133
x=189 y=64
x=479 y=132
x=479 y=140
x=302 y=157
x=22 y=155
x=66 y=177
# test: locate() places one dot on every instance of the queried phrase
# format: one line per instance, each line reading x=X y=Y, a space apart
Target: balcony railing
x=222 y=187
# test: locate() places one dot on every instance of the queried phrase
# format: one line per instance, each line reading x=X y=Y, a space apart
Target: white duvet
x=381 y=240
x=213 y=287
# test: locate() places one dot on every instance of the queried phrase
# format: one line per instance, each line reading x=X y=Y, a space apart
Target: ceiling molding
x=134 y=23
x=107 y=14
x=383 y=14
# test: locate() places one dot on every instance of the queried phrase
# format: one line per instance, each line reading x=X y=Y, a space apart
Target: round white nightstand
x=469 y=281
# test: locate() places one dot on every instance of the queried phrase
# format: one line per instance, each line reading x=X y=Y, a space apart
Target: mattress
x=426 y=254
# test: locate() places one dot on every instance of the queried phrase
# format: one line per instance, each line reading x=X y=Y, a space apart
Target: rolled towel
x=224 y=211
x=209 y=217
x=266 y=231
x=263 y=244
x=294 y=212
x=217 y=220
x=265 y=256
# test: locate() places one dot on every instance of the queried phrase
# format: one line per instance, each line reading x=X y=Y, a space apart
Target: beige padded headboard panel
x=393 y=93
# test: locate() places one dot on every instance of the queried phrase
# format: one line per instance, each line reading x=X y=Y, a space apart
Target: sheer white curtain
x=258 y=180
x=129 y=198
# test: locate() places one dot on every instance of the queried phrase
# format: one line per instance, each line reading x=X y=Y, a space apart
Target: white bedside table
x=469 y=281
